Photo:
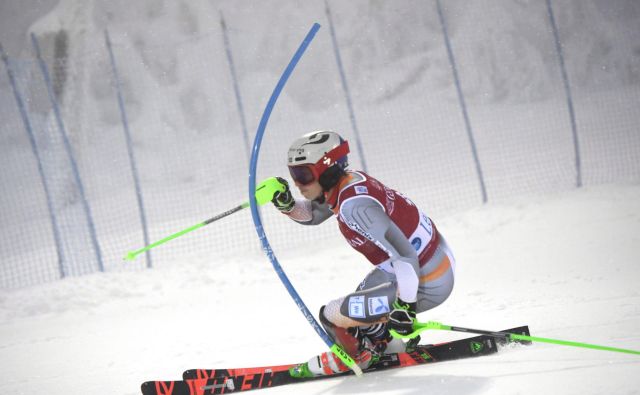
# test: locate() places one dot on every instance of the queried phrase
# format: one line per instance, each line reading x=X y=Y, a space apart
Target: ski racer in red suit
x=414 y=267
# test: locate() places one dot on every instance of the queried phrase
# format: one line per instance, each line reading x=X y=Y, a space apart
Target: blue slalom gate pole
x=256 y=216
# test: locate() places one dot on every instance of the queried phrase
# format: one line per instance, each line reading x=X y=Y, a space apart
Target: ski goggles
x=303 y=174
x=307 y=173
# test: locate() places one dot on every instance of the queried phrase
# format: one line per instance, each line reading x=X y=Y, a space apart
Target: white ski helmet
x=312 y=155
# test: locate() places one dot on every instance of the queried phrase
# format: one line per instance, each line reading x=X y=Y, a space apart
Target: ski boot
x=328 y=363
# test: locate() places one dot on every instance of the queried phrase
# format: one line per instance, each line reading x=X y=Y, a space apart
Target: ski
x=225 y=381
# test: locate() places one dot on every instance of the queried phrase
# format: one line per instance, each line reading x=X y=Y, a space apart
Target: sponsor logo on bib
x=378 y=305
x=416 y=243
x=356 y=306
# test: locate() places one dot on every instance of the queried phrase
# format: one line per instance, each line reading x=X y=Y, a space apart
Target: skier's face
x=311 y=191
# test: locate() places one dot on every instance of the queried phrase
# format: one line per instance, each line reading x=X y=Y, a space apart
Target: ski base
x=225 y=381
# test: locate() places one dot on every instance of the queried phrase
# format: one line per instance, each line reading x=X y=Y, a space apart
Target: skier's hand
x=402 y=317
x=283 y=200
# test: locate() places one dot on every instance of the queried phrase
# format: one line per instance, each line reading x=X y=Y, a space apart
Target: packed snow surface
x=567 y=265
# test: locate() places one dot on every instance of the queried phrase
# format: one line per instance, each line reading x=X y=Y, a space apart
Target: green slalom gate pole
x=264 y=193
x=419 y=327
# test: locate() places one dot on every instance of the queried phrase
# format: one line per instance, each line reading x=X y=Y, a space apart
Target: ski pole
x=264 y=193
x=419 y=327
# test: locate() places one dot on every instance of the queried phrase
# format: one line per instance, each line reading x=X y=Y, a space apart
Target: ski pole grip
x=266 y=189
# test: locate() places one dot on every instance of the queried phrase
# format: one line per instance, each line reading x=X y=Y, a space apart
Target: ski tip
x=147 y=388
x=189 y=374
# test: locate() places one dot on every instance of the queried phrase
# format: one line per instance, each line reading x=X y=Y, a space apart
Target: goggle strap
x=331 y=157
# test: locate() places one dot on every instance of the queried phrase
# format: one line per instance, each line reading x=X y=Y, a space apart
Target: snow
x=567 y=265
x=181 y=108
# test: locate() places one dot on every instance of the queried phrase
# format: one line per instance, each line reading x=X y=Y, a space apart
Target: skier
x=414 y=267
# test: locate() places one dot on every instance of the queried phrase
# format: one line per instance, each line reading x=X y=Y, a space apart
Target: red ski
x=226 y=381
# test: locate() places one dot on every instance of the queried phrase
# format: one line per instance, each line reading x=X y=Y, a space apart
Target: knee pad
x=360 y=308
x=369 y=305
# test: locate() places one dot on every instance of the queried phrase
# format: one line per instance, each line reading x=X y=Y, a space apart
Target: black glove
x=283 y=200
x=402 y=317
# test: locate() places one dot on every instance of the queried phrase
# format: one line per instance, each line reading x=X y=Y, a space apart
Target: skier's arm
x=303 y=211
x=309 y=212
x=367 y=217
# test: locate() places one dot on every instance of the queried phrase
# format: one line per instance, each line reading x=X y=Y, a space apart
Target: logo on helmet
x=324 y=137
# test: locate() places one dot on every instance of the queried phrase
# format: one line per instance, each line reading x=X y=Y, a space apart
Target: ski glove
x=283 y=200
x=402 y=317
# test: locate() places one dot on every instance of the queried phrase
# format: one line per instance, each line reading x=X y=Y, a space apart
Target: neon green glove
x=283 y=200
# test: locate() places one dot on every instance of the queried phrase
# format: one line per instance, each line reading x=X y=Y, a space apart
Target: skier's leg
x=343 y=318
x=436 y=278
x=349 y=339
x=359 y=319
x=365 y=308
x=377 y=333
